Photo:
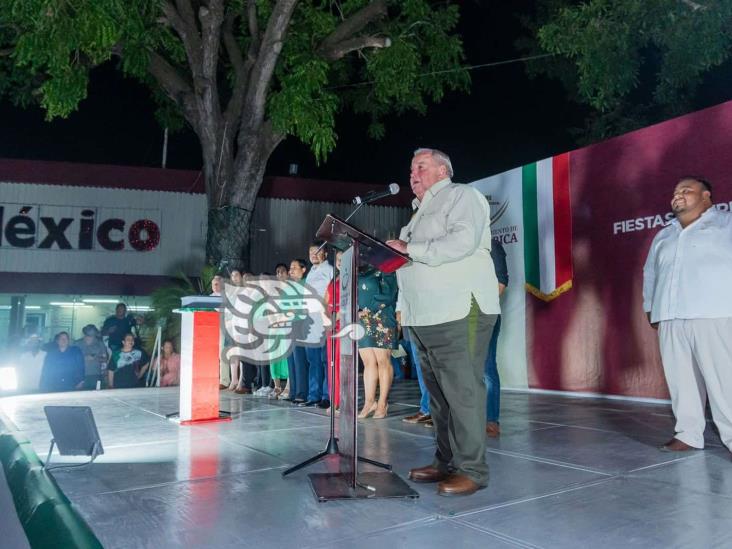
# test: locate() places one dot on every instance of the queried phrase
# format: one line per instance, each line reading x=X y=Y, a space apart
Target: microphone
x=373 y=196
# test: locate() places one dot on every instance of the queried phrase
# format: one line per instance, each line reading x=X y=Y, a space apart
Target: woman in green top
x=377 y=293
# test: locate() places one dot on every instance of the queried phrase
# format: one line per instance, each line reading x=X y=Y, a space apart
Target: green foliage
x=55 y=44
x=167 y=298
x=612 y=43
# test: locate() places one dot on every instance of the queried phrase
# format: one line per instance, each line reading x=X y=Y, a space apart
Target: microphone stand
x=331 y=447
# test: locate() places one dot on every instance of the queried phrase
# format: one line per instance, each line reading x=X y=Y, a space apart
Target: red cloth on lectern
x=336 y=390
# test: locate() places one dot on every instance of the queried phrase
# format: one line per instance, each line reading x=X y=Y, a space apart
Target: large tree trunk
x=227 y=240
x=232 y=197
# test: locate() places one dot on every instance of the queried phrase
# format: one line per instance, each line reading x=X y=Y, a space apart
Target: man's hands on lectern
x=399 y=245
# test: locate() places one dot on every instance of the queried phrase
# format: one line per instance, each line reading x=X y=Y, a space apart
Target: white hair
x=440 y=157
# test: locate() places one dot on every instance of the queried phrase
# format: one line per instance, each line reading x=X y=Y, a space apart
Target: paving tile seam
x=425 y=436
x=599 y=430
x=283 y=429
x=545 y=428
x=570 y=488
x=267 y=408
x=185 y=481
x=696 y=455
x=548 y=461
x=135 y=407
x=503 y=537
x=408 y=525
x=667 y=483
x=252 y=448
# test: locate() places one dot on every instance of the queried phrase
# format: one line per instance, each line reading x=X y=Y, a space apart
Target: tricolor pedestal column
x=199 y=366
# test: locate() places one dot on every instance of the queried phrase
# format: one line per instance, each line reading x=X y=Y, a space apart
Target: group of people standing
x=108 y=359
x=303 y=377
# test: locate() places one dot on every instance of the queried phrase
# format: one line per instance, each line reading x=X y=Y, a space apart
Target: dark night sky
x=505 y=121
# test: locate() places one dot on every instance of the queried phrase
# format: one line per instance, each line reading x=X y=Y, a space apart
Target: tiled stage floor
x=566 y=472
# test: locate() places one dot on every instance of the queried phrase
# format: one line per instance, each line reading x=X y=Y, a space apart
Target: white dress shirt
x=319 y=276
x=449 y=242
x=688 y=273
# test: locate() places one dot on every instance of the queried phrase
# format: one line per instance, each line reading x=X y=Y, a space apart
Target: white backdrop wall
x=25 y=244
x=504 y=195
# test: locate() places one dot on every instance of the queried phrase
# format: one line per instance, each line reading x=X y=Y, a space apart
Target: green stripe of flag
x=531 y=226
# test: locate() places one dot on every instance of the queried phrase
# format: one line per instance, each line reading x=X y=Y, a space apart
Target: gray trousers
x=452 y=357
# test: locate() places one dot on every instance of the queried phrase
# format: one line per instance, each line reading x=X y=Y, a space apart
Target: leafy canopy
x=612 y=43
x=50 y=47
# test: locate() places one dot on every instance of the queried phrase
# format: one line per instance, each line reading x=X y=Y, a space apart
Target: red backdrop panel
x=595 y=337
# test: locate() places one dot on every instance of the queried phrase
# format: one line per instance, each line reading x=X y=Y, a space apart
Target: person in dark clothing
x=63 y=367
x=492 y=381
x=95 y=356
x=128 y=365
x=115 y=327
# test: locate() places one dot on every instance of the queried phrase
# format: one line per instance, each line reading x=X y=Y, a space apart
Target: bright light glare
x=100 y=300
x=139 y=308
x=8 y=379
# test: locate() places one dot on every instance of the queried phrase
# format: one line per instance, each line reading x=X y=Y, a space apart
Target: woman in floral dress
x=377 y=294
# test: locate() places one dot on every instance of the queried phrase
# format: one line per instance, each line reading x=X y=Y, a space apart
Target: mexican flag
x=547 y=227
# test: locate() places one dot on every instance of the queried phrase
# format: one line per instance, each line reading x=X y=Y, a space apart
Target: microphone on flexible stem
x=373 y=196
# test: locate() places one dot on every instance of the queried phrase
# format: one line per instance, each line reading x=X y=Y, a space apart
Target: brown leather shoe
x=428 y=423
x=427 y=474
x=675 y=445
x=243 y=391
x=222 y=386
x=458 y=485
x=419 y=417
x=492 y=429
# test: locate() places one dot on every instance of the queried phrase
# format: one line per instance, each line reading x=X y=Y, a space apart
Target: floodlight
x=74 y=432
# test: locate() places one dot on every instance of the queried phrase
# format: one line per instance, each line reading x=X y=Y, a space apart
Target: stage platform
x=566 y=472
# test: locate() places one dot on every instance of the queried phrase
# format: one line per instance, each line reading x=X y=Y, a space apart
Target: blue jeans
x=316 y=373
x=397 y=368
x=424 y=402
x=299 y=382
x=492 y=381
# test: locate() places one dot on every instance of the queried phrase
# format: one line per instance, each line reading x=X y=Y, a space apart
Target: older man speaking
x=448 y=297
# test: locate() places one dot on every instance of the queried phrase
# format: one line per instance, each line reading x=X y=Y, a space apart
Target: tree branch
x=269 y=138
x=263 y=68
x=175 y=87
x=241 y=69
x=252 y=20
x=355 y=23
x=339 y=50
x=186 y=12
x=188 y=34
x=212 y=19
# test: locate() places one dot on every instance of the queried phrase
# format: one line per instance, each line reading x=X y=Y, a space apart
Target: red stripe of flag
x=562 y=219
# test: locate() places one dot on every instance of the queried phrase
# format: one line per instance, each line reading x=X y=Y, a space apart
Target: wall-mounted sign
x=67 y=229
x=47 y=227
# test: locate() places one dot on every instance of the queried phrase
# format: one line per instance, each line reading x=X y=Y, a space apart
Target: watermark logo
x=265 y=318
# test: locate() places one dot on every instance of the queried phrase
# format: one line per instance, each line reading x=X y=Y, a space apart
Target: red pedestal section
x=199 y=366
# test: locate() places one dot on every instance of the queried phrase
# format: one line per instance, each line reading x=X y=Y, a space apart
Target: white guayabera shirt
x=319 y=277
x=449 y=242
x=688 y=272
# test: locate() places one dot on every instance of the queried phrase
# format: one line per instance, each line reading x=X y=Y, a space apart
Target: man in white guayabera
x=687 y=296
